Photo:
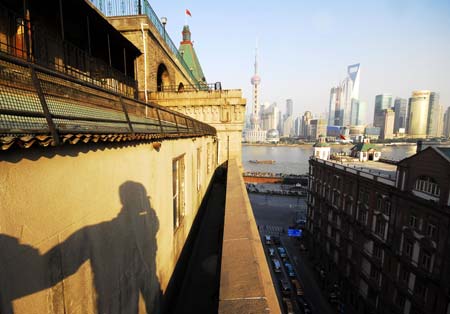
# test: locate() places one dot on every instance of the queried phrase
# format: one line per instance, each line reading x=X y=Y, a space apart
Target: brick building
x=380 y=232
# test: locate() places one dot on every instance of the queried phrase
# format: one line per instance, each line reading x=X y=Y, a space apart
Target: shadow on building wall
x=122 y=255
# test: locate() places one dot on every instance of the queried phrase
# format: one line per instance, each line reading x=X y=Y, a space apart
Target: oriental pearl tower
x=254 y=120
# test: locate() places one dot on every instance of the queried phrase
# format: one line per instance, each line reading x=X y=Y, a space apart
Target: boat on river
x=270 y=162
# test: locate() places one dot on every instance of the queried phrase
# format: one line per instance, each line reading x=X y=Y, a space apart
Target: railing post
x=159 y=121
x=126 y=115
x=176 y=124
x=48 y=116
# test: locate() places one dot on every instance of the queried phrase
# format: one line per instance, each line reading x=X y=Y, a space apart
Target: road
x=273 y=215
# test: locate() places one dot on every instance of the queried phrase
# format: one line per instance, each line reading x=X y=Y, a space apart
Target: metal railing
x=36 y=100
x=139 y=7
x=180 y=88
x=22 y=39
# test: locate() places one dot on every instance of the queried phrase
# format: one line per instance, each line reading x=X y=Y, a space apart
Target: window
x=374 y=273
x=408 y=249
x=363 y=216
x=404 y=275
x=413 y=221
x=427 y=185
x=379 y=203
x=199 y=168
x=178 y=191
x=380 y=226
x=431 y=230
x=387 y=208
x=377 y=252
x=425 y=261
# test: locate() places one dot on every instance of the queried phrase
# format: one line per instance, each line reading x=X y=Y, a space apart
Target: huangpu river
x=294 y=159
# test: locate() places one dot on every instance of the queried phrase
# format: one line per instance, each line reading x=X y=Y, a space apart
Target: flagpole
x=185 y=18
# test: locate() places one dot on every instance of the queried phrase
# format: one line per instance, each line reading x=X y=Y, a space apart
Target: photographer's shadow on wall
x=121 y=252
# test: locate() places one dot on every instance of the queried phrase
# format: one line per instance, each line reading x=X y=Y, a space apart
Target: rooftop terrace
x=375 y=170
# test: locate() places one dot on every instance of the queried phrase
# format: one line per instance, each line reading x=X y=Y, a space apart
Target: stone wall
x=90 y=229
x=224 y=110
x=157 y=52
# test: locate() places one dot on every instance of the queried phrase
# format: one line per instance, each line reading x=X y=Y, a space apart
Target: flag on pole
x=188 y=13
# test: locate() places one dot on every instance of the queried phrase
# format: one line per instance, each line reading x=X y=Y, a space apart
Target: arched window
x=162 y=79
x=427 y=185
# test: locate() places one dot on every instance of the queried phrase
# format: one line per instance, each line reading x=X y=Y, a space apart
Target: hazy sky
x=306 y=46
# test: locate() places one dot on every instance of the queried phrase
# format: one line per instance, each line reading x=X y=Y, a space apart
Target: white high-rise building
x=344 y=96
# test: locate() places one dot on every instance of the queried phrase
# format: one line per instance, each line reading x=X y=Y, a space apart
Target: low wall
x=245 y=284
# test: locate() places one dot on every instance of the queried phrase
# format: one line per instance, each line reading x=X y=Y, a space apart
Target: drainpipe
x=145 y=64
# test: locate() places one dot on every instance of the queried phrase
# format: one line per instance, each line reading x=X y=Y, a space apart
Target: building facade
x=434 y=123
x=418 y=109
x=382 y=102
x=387 y=127
x=379 y=232
x=401 y=110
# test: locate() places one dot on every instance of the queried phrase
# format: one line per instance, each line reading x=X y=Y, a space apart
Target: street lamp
x=164 y=22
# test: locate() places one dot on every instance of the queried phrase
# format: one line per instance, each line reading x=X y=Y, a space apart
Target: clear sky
x=306 y=46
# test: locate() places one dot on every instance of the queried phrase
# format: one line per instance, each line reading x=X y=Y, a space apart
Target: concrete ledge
x=245 y=283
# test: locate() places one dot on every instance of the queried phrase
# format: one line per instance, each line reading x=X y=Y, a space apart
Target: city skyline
x=304 y=36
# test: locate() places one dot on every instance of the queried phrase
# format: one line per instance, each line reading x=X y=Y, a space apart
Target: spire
x=256 y=58
x=189 y=56
x=186 y=35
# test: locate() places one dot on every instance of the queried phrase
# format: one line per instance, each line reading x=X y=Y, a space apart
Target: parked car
x=285 y=287
x=271 y=251
x=268 y=239
x=298 y=287
x=303 y=305
x=281 y=251
x=276 y=240
x=276 y=265
x=288 y=306
x=289 y=269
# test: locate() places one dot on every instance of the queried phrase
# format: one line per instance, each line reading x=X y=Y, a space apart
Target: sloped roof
x=444 y=152
x=363 y=147
x=190 y=57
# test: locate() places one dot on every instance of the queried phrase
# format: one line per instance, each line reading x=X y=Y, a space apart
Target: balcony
x=93 y=62
x=51 y=108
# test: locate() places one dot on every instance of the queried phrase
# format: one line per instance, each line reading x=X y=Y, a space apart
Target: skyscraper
x=401 y=109
x=387 y=127
x=447 y=123
x=359 y=112
x=418 y=108
x=382 y=102
x=434 y=122
x=343 y=96
x=350 y=91
x=334 y=107
x=289 y=107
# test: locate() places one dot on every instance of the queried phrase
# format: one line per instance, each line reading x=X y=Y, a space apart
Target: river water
x=294 y=159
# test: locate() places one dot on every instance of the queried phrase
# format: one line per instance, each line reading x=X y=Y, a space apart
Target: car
x=289 y=269
x=271 y=251
x=276 y=265
x=268 y=239
x=298 y=287
x=288 y=306
x=303 y=305
x=276 y=240
x=281 y=251
x=285 y=287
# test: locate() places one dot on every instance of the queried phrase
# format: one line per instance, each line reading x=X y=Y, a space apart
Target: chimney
x=419 y=146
